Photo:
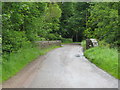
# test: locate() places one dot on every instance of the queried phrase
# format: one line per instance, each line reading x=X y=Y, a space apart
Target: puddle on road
x=77 y=55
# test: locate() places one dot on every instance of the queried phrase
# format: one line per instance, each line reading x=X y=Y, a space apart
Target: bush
x=83 y=44
x=103 y=44
x=41 y=39
x=51 y=37
x=66 y=40
x=14 y=40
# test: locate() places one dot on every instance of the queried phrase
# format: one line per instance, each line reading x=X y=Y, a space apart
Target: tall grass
x=14 y=62
x=0 y=71
x=66 y=40
x=105 y=58
x=83 y=44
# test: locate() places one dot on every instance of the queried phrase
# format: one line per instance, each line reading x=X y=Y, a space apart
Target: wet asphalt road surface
x=64 y=67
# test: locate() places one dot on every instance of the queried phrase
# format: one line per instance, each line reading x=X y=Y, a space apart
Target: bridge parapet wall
x=44 y=44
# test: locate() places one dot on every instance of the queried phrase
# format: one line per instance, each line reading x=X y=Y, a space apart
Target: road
x=64 y=67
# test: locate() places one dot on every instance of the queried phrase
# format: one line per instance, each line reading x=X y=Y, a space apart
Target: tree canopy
x=26 y=22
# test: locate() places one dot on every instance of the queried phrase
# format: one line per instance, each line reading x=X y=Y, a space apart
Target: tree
x=24 y=23
x=67 y=12
x=73 y=20
x=103 y=22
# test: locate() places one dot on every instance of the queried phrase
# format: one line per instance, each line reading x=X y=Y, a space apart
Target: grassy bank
x=14 y=62
x=104 y=57
x=83 y=44
x=66 y=40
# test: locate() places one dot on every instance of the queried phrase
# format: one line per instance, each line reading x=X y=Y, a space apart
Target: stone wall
x=91 y=43
x=44 y=44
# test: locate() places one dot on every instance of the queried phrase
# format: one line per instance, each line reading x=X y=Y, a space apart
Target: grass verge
x=105 y=58
x=14 y=62
x=83 y=44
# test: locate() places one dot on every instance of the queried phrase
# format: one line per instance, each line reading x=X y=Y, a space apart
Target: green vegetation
x=0 y=59
x=83 y=44
x=105 y=58
x=17 y=61
x=73 y=20
x=23 y=23
x=67 y=40
x=102 y=23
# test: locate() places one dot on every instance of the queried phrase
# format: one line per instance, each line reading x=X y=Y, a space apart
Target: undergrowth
x=105 y=58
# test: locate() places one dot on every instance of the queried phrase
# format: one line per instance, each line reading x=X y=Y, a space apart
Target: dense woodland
x=26 y=22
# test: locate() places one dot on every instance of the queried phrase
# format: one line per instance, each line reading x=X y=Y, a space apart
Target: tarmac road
x=64 y=67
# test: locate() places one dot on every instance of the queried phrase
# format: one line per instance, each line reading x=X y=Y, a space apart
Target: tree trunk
x=76 y=37
x=72 y=37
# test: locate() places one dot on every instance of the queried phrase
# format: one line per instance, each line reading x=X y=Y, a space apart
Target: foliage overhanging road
x=65 y=67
